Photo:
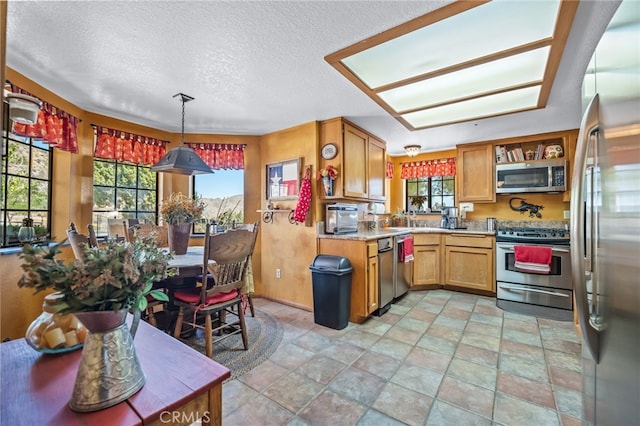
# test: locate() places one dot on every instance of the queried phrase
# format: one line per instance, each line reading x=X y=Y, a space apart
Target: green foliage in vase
x=117 y=275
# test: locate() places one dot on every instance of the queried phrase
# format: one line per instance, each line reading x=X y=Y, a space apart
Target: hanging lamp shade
x=182 y=160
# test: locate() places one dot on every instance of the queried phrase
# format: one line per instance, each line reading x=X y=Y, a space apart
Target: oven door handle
x=532 y=290
x=509 y=249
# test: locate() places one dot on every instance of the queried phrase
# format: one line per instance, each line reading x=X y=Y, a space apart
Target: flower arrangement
x=118 y=275
x=179 y=208
x=329 y=171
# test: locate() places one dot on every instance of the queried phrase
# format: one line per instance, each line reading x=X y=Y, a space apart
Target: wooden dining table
x=182 y=386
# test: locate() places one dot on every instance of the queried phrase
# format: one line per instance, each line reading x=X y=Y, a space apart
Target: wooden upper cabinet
x=361 y=161
x=356 y=160
x=475 y=175
x=377 y=169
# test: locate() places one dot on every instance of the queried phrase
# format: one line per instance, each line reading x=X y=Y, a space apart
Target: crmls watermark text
x=184 y=418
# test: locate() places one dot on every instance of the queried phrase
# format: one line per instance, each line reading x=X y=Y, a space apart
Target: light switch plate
x=567 y=214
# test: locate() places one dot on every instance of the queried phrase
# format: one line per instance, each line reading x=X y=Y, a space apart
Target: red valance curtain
x=54 y=126
x=430 y=168
x=114 y=144
x=219 y=155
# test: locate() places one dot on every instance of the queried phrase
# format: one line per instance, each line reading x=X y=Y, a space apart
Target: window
x=430 y=194
x=26 y=185
x=223 y=193
x=123 y=190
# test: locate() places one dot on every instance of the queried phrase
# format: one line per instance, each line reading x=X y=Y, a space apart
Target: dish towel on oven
x=533 y=259
x=406 y=250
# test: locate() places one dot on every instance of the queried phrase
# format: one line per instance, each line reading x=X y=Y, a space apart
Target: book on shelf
x=501 y=154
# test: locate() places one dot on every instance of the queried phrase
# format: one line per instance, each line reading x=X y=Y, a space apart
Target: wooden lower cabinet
x=363 y=256
x=469 y=262
x=427 y=259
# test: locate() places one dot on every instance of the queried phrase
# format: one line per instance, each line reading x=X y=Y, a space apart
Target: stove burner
x=533 y=235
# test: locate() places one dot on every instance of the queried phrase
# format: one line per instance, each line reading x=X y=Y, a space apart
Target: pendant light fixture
x=182 y=160
x=23 y=108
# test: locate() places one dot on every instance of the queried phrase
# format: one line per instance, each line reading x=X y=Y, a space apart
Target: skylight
x=467 y=60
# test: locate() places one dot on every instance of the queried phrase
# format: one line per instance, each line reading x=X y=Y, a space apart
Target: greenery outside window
x=426 y=195
x=25 y=187
x=123 y=190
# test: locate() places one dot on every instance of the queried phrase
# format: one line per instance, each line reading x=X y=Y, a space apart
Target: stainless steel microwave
x=341 y=218
x=535 y=176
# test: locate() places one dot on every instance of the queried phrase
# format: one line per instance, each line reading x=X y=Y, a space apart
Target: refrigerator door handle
x=581 y=226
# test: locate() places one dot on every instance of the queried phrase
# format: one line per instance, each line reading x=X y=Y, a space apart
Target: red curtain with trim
x=114 y=144
x=219 y=155
x=54 y=126
x=430 y=168
x=389 y=171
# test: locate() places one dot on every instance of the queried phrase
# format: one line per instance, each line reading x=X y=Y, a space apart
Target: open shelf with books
x=529 y=151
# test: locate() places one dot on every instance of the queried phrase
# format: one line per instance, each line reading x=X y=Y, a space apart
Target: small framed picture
x=283 y=180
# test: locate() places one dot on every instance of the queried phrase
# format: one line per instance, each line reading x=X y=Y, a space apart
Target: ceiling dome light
x=412 y=150
x=23 y=108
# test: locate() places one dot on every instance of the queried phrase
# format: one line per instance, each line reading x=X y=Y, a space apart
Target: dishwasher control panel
x=385 y=244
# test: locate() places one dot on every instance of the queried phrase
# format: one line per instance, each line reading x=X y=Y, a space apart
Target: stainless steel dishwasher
x=385 y=274
x=402 y=268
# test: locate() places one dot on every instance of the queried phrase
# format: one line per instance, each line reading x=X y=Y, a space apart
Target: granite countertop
x=375 y=234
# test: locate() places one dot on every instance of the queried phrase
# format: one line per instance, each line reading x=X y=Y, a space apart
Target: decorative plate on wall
x=329 y=151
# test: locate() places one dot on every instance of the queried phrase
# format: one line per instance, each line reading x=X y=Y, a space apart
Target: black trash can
x=331 y=290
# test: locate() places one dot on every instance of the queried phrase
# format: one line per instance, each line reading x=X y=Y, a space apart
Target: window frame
x=33 y=144
x=136 y=213
x=430 y=195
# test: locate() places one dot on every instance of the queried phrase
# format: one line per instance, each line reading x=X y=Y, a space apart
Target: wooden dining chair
x=160 y=233
x=93 y=240
x=248 y=287
x=77 y=240
x=225 y=263
x=117 y=228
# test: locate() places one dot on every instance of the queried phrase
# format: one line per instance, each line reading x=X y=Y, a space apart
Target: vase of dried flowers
x=180 y=211
x=328 y=175
x=100 y=288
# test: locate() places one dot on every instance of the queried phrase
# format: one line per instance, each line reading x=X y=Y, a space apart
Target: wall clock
x=329 y=151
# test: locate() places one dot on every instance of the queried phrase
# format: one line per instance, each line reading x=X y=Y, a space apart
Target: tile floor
x=436 y=358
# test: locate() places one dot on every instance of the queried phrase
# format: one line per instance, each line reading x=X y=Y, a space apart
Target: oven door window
x=556 y=265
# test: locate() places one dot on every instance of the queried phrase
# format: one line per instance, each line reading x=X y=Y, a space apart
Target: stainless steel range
x=544 y=294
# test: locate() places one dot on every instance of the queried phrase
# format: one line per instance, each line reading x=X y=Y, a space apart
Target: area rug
x=264 y=334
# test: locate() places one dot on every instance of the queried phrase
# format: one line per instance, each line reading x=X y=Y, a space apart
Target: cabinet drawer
x=425 y=239
x=480 y=241
x=372 y=249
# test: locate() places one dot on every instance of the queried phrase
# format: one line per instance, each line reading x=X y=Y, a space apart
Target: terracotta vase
x=179 y=237
x=109 y=370
x=327 y=183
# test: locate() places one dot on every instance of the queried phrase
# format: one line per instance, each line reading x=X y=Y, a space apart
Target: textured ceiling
x=253 y=67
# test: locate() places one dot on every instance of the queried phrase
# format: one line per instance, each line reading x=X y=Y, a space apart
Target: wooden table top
x=36 y=388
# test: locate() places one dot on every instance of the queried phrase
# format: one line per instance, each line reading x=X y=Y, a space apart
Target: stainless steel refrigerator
x=605 y=224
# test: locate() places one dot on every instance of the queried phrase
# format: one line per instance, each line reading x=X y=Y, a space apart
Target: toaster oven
x=341 y=218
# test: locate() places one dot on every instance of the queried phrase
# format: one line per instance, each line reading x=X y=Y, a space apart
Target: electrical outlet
x=567 y=214
x=278 y=273
x=466 y=207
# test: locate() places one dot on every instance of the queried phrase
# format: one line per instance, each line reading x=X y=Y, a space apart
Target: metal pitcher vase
x=109 y=370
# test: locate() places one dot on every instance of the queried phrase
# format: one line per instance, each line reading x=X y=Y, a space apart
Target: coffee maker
x=449 y=219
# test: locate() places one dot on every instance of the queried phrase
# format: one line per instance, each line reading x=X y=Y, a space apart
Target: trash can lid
x=329 y=263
